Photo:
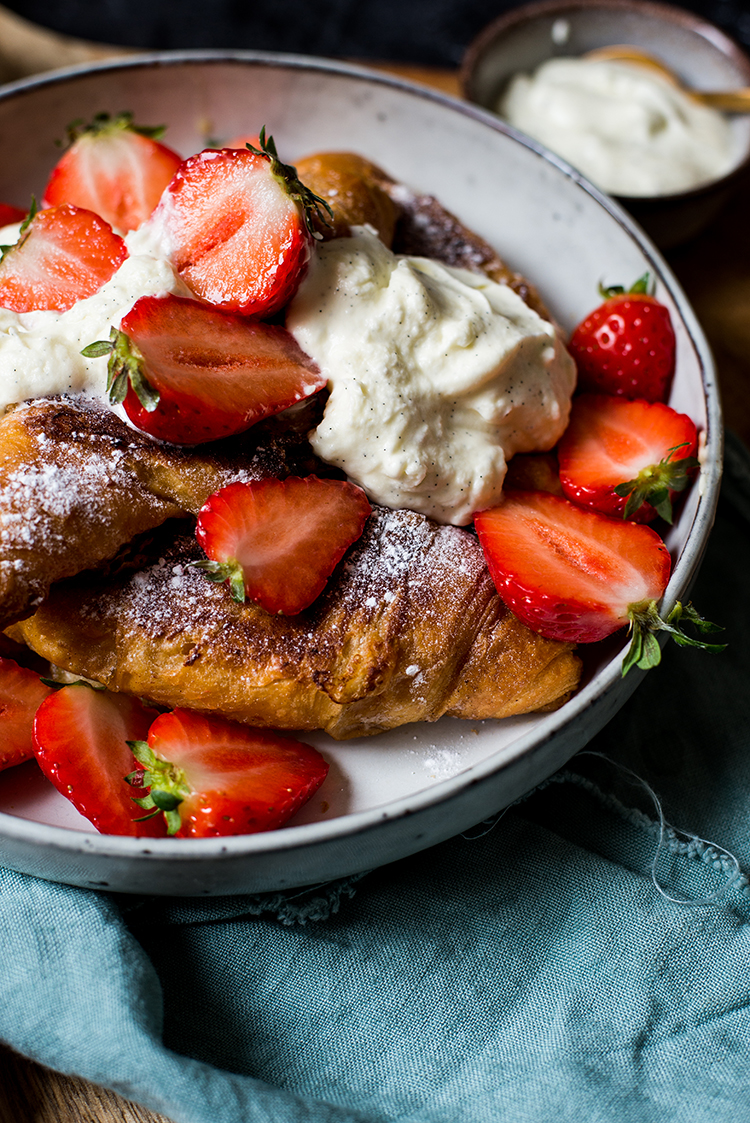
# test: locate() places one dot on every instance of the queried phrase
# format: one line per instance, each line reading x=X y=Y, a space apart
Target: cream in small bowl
x=628 y=129
x=702 y=57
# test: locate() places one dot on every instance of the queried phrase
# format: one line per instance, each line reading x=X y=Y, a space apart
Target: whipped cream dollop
x=630 y=131
x=437 y=376
x=40 y=352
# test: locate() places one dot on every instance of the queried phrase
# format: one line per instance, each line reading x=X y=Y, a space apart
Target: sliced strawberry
x=188 y=373
x=21 y=694
x=114 y=168
x=64 y=254
x=278 y=541
x=626 y=458
x=576 y=575
x=81 y=743
x=10 y=214
x=239 y=227
x=626 y=346
x=214 y=777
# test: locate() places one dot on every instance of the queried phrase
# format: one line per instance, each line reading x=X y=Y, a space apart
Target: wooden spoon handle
x=728 y=101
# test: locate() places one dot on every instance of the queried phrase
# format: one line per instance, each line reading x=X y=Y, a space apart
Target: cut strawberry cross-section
x=278 y=541
x=63 y=255
x=81 y=739
x=239 y=227
x=577 y=575
x=188 y=373
x=21 y=694
x=114 y=168
x=626 y=458
x=10 y=214
x=210 y=776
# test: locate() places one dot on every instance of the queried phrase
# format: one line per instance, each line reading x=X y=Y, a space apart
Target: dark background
x=428 y=32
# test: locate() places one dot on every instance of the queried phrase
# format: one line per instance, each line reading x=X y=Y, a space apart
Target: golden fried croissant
x=409 y=628
x=359 y=192
x=77 y=483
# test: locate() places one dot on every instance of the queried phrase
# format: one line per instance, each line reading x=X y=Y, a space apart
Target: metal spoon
x=729 y=101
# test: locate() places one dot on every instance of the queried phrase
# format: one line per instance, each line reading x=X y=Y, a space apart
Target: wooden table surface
x=714 y=270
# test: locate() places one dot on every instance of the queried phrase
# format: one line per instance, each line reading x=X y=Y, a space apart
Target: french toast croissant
x=77 y=484
x=409 y=628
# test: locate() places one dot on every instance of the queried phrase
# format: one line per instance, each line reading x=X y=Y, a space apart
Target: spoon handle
x=728 y=101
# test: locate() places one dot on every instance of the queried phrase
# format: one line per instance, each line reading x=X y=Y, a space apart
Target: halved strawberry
x=278 y=541
x=188 y=373
x=81 y=743
x=626 y=346
x=626 y=458
x=576 y=575
x=63 y=255
x=114 y=168
x=214 y=777
x=240 y=226
x=10 y=214
x=21 y=694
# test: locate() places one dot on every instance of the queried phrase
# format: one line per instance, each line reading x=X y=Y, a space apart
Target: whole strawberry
x=626 y=346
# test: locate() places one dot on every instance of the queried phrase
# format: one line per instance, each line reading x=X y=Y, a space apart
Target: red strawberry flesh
x=237 y=780
x=284 y=537
x=21 y=694
x=215 y=374
x=237 y=238
x=80 y=742
x=612 y=441
x=569 y=573
x=10 y=214
x=65 y=255
x=114 y=171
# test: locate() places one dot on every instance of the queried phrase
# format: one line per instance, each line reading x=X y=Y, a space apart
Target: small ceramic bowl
x=702 y=55
x=389 y=795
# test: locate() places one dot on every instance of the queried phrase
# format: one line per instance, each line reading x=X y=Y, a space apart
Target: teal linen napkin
x=537 y=967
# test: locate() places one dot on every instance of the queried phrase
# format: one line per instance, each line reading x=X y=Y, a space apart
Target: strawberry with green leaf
x=627 y=458
x=579 y=576
x=209 y=776
x=189 y=373
x=626 y=346
x=277 y=542
x=239 y=226
x=113 y=167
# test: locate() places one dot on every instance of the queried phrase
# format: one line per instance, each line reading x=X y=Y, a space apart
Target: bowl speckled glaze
x=702 y=55
x=396 y=793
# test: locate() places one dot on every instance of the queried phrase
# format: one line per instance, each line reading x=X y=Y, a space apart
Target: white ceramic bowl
x=396 y=793
x=703 y=56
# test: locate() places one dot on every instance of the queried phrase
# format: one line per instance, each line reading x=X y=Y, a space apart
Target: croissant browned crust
x=409 y=628
x=77 y=484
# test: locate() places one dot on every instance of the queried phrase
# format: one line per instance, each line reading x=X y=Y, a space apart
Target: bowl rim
x=72 y=841
x=528 y=13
